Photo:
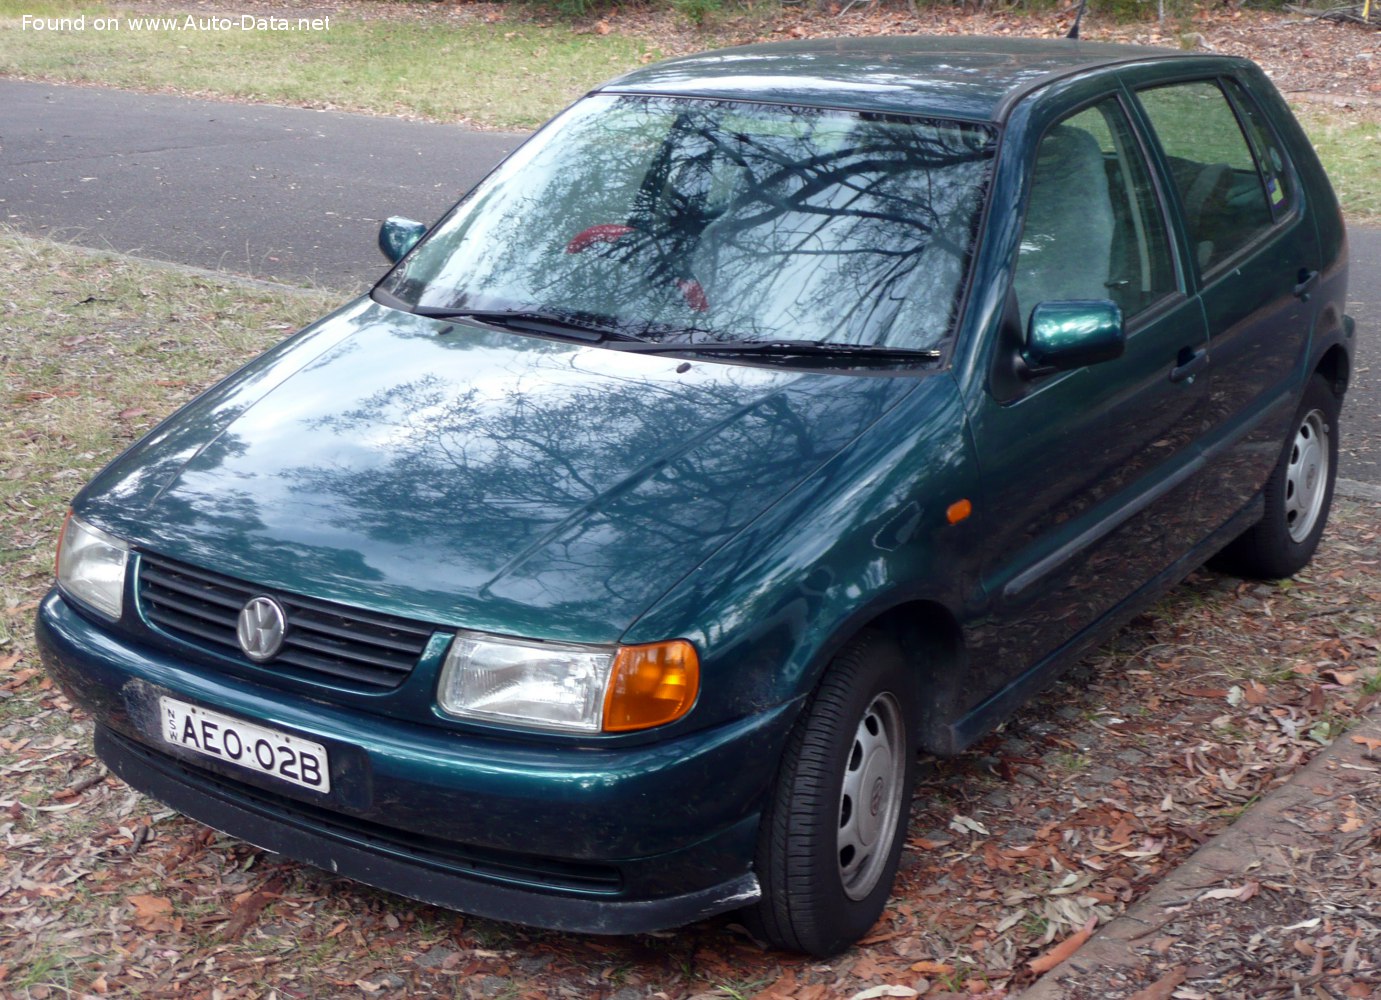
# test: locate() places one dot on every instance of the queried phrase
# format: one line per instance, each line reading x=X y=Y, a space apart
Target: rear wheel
x=1298 y=494
x=833 y=832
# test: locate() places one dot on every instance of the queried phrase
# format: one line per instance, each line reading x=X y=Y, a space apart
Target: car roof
x=966 y=76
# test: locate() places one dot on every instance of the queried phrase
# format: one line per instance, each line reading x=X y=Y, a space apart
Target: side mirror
x=1072 y=334
x=399 y=235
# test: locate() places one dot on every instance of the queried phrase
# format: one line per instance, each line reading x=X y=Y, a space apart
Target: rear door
x=1254 y=253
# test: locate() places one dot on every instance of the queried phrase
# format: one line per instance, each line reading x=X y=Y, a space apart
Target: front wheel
x=833 y=832
x=1298 y=494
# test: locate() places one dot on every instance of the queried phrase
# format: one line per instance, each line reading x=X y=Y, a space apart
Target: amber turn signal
x=651 y=685
x=958 y=511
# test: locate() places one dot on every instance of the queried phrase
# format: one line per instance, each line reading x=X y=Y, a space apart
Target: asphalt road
x=276 y=193
x=292 y=194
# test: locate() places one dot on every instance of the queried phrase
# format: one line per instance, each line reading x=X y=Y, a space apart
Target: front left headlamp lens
x=91 y=566
x=550 y=685
x=580 y=689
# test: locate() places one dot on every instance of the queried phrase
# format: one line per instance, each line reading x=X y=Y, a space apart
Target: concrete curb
x=1336 y=100
x=223 y=277
x=1111 y=959
x=1354 y=490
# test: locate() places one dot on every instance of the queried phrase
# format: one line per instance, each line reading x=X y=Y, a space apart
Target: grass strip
x=1349 y=144
x=97 y=348
x=501 y=74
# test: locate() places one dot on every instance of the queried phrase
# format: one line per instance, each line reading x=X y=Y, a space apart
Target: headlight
x=584 y=689
x=91 y=566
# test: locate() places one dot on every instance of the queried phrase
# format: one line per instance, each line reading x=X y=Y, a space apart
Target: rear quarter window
x=1270 y=154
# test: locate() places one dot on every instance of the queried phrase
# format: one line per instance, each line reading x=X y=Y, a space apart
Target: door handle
x=1306 y=280
x=1188 y=364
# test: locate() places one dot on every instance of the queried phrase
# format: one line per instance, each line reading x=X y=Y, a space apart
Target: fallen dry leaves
x=1047 y=961
x=1163 y=988
x=1301 y=54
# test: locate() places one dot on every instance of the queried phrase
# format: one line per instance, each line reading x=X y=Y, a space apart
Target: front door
x=1086 y=472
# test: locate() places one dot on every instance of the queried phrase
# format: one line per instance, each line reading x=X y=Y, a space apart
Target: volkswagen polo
x=772 y=415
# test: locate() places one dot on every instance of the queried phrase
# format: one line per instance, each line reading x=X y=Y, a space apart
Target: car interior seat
x=1202 y=202
x=1066 y=242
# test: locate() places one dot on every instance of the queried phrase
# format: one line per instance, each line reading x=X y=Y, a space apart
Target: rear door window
x=1225 y=199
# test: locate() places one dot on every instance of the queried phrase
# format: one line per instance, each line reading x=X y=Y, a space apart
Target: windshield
x=681 y=220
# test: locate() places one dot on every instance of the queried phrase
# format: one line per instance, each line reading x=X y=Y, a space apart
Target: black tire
x=1299 y=494
x=826 y=865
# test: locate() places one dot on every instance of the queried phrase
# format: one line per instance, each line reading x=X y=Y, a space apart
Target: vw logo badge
x=261 y=628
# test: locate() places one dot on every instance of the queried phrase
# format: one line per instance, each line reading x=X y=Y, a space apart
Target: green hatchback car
x=771 y=416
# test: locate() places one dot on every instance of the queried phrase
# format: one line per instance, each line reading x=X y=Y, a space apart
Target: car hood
x=476 y=477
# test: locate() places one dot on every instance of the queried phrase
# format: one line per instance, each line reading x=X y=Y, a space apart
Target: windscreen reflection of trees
x=714 y=220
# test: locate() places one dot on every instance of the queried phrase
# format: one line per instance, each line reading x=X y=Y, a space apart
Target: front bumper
x=590 y=839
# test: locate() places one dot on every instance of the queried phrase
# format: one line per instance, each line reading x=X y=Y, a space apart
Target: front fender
x=866 y=533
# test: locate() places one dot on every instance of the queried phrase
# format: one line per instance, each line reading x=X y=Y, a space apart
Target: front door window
x=1094 y=228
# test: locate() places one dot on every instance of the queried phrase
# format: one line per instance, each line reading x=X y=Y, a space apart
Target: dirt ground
x=1292 y=883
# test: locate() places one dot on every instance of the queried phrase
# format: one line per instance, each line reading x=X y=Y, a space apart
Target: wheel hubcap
x=1306 y=476
x=871 y=796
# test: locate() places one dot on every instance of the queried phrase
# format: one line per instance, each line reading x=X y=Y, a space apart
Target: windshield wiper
x=528 y=319
x=787 y=348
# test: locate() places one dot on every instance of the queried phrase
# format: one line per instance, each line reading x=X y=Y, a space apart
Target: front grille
x=323 y=640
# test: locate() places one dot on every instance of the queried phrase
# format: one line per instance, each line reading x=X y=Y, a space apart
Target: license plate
x=258 y=748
